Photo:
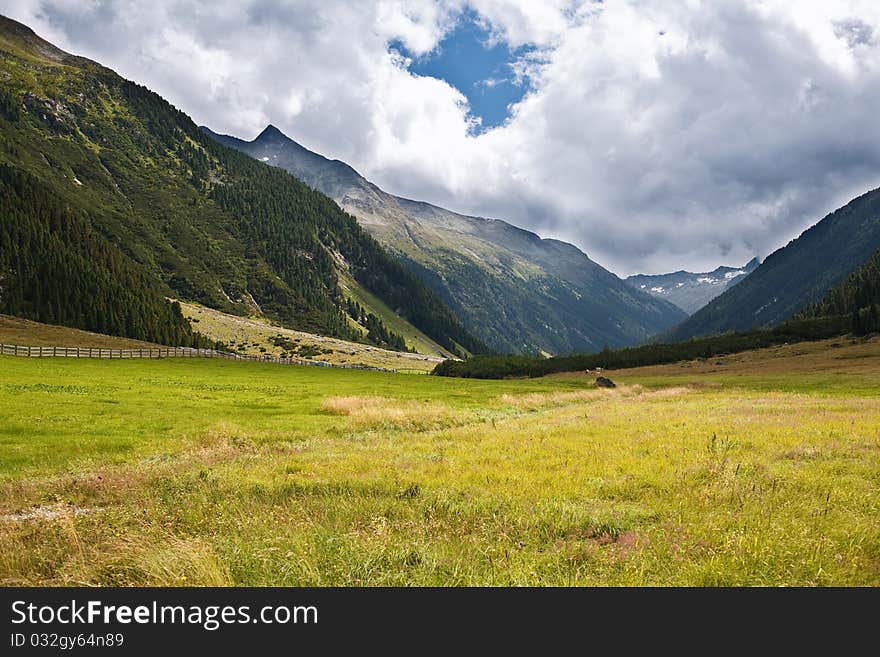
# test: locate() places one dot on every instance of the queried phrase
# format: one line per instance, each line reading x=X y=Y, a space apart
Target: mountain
x=796 y=275
x=112 y=200
x=858 y=297
x=690 y=291
x=516 y=291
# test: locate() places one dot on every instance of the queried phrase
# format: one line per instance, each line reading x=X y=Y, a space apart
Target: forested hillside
x=858 y=297
x=852 y=306
x=113 y=200
x=54 y=268
x=796 y=275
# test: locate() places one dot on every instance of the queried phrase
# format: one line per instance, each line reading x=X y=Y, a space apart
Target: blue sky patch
x=482 y=72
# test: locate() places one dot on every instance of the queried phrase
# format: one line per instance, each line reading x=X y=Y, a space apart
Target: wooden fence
x=166 y=352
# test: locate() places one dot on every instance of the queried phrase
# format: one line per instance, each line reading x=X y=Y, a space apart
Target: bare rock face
x=605 y=382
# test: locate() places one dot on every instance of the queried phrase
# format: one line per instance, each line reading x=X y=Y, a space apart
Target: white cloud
x=657 y=136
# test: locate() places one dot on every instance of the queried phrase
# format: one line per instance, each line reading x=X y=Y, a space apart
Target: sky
x=654 y=135
x=483 y=68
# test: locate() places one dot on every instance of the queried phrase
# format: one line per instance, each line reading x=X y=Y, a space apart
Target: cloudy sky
x=655 y=135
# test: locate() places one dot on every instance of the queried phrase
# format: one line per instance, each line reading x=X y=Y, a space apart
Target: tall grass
x=210 y=473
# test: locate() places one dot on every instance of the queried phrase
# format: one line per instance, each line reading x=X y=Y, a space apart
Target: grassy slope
x=808 y=366
x=209 y=472
x=248 y=334
x=252 y=335
x=413 y=336
x=14 y=330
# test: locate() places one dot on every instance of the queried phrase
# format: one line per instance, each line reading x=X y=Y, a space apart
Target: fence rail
x=166 y=352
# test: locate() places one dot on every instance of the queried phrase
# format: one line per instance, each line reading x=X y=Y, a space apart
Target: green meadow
x=763 y=471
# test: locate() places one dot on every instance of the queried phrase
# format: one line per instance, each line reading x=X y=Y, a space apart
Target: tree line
x=858 y=297
x=500 y=367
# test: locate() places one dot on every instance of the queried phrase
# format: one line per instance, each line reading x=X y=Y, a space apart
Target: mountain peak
x=270 y=132
x=14 y=27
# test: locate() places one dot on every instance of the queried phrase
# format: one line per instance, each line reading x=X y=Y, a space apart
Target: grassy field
x=14 y=330
x=257 y=336
x=759 y=469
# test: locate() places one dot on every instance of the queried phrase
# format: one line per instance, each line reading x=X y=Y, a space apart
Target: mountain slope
x=518 y=292
x=113 y=199
x=857 y=297
x=796 y=275
x=691 y=291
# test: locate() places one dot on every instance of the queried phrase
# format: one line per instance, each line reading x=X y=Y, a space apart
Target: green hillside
x=796 y=275
x=372 y=304
x=113 y=199
x=518 y=292
x=858 y=297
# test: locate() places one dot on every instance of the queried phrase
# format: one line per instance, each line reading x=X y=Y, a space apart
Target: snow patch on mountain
x=691 y=291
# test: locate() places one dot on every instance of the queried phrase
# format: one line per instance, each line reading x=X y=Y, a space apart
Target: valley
x=189 y=472
x=518 y=292
x=736 y=442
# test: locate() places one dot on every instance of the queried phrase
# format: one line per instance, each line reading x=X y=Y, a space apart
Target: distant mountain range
x=517 y=292
x=795 y=276
x=691 y=291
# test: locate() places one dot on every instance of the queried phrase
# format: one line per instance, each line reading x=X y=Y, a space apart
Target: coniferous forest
x=55 y=269
x=858 y=297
